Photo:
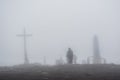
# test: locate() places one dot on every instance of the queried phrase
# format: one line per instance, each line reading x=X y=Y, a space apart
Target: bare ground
x=61 y=72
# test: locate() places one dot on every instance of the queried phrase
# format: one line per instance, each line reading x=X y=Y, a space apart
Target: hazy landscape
x=59 y=39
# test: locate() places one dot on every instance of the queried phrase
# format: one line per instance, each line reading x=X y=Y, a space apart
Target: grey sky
x=57 y=25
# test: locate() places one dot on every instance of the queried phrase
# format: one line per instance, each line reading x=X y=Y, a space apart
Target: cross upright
x=25 y=35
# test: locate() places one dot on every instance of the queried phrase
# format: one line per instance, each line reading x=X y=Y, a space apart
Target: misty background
x=55 y=26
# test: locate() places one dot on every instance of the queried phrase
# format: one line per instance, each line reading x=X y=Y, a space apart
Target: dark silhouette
x=25 y=35
x=69 y=56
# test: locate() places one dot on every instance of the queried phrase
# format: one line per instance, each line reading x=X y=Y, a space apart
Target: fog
x=55 y=26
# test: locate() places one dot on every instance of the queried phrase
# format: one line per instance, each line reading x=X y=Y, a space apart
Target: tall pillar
x=96 y=54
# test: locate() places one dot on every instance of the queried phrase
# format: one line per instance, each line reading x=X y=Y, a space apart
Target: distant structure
x=24 y=35
x=60 y=61
x=69 y=56
x=88 y=60
x=96 y=54
x=104 y=61
x=84 y=62
x=96 y=58
x=74 y=59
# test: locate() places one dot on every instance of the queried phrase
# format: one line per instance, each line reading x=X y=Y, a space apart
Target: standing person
x=69 y=56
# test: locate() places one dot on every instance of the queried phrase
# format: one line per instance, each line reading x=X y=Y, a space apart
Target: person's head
x=69 y=48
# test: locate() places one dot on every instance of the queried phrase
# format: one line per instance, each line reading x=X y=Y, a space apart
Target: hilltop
x=61 y=72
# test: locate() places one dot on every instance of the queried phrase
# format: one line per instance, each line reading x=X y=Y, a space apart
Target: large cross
x=25 y=35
